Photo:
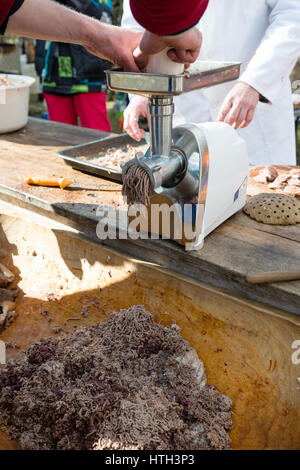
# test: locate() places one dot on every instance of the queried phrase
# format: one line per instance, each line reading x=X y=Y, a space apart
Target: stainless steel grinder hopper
x=177 y=162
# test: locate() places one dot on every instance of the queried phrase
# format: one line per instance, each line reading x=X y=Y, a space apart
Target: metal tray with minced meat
x=113 y=157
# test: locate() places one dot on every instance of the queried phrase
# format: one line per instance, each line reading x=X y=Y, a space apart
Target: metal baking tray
x=201 y=74
x=73 y=155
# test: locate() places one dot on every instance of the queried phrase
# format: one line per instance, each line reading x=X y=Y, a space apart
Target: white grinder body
x=227 y=176
x=215 y=183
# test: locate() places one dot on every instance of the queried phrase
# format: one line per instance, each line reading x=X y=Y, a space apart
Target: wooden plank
x=238 y=255
x=290 y=232
x=236 y=247
x=245 y=347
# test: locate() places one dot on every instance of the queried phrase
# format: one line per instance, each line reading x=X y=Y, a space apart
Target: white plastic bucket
x=14 y=102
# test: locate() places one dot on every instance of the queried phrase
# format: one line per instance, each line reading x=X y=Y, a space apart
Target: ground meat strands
x=125 y=383
x=137 y=185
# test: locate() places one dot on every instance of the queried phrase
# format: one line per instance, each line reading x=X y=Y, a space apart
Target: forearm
x=44 y=19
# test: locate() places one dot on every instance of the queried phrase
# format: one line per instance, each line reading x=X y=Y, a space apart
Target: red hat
x=164 y=17
x=5 y=6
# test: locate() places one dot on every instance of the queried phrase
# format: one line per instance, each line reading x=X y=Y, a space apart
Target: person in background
x=73 y=80
x=264 y=35
x=43 y=19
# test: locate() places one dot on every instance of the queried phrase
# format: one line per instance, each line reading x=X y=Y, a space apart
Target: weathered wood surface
x=234 y=249
x=246 y=348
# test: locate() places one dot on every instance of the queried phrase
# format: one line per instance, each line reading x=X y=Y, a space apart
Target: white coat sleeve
x=278 y=51
x=128 y=20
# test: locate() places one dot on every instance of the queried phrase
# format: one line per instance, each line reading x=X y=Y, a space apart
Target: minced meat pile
x=126 y=383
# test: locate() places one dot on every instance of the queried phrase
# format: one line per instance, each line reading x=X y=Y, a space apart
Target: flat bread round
x=273 y=209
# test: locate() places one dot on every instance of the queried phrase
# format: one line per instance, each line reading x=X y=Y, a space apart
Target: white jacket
x=265 y=36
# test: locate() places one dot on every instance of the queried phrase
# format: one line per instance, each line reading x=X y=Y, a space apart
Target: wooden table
x=238 y=246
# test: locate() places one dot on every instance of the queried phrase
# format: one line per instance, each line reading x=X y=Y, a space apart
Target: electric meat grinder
x=200 y=170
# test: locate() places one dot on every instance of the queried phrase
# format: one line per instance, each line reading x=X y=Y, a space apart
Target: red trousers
x=89 y=107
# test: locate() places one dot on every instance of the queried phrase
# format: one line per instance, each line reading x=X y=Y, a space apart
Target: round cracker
x=273 y=209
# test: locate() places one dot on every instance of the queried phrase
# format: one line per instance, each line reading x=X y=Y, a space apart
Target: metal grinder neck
x=160 y=109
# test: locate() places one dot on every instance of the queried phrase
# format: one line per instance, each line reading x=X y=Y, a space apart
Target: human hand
x=115 y=44
x=239 y=105
x=136 y=108
x=184 y=48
